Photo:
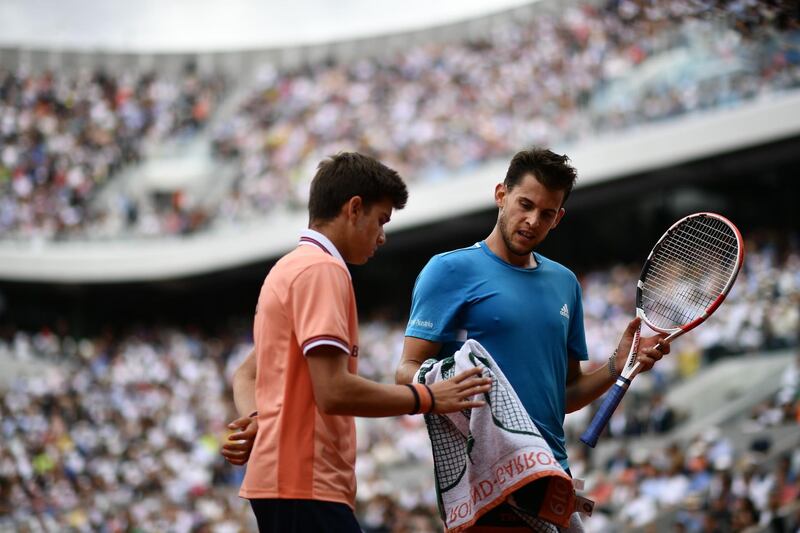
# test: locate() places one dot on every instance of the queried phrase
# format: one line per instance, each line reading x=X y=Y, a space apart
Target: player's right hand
x=457 y=393
x=239 y=445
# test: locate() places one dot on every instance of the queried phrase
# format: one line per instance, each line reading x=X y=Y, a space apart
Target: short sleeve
x=320 y=298
x=576 y=338
x=437 y=298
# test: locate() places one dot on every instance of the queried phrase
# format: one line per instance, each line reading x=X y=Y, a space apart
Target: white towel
x=483 y=455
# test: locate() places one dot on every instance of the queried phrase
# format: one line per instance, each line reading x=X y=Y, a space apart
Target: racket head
x=689 y=272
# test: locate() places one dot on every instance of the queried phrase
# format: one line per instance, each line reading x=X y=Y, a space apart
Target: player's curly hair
x=550 y=169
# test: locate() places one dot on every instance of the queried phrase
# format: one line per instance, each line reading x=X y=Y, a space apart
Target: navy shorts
x=303 y=516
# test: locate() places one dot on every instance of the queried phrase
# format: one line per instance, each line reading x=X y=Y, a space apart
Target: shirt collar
x=309 y=237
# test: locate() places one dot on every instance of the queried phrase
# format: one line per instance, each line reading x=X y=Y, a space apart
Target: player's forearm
x=415 y=352
x=586 y=388
x=356 y=396
x=244 y=390
x=406 y=371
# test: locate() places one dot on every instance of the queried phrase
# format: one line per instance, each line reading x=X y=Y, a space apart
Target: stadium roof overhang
x=155 y=26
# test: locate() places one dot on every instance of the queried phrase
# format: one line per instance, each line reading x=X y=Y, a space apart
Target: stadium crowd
x=431 y=111
x=62 y=137
x=438 y=109
x=124 y=430
x=119 y=441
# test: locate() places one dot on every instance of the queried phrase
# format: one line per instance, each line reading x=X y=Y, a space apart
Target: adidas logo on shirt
x=565 y=311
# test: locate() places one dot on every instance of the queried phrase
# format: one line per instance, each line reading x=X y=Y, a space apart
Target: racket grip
x=607 y=408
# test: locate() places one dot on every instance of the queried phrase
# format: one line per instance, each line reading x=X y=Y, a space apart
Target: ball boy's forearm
x=244 y=394
x=244 y=386
x=357 y=396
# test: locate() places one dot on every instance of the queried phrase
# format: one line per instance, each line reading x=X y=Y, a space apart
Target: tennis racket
x=684 y=280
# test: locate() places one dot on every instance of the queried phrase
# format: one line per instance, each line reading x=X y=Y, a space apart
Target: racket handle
x=607 y=408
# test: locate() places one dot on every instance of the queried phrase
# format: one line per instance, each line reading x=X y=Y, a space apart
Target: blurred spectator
x=436 y=110
x=63 y=137
x=119 y=440
x=432 y=111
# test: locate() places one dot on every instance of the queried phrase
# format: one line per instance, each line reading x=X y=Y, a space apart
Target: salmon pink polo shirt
x=306 y=300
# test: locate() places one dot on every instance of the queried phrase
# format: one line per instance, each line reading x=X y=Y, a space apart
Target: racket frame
x=632 y=365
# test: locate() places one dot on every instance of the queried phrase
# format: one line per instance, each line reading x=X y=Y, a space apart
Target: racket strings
x=717 y=244
x=695 y=273
x=712 y=250
x=684 y=297
x=693 y=282
x=715 y=281
x=702 y=257
x=715 y=234
x=688 y=271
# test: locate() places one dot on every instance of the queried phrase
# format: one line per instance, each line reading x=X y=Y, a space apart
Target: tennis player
x=524 y=308
x=298 y=390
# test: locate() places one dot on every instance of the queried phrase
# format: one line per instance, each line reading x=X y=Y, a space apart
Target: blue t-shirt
x=529 y=319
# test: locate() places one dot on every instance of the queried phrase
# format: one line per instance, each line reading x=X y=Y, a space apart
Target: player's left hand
x=651 y=349
x=239 y=445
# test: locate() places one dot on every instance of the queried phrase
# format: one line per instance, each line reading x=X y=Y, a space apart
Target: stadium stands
x=431 y=111
x=121 y=416
x=119 y=439
x=435 y=110
x=64 y=136
x=121 y=429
